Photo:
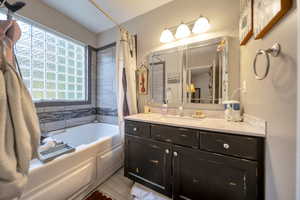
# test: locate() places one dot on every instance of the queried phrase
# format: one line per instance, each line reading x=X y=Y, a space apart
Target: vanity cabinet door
x=149 y=163
x=209 y=176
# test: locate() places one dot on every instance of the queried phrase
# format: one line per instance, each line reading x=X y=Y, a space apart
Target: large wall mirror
x=191 y=75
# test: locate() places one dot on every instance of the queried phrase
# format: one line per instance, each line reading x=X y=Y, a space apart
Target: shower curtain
x=126 y=78
x=19 y=124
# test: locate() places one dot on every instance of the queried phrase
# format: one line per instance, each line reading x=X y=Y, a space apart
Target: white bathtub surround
x=99 y=153
x=209 y=124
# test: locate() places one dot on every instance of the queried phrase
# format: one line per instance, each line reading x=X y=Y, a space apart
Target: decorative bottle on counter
x=164 y=109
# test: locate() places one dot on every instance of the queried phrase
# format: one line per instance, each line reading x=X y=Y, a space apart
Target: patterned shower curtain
x=126 y=77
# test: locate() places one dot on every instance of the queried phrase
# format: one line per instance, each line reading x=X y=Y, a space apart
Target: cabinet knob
x=175 y=154
x=226 y=146
x=134 y=129
x=167 y=151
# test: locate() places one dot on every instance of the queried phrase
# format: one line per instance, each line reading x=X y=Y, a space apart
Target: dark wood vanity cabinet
x=148 y=162
x=192 y=164
x=203 y=175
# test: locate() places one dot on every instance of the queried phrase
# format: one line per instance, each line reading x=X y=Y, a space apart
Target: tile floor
x=117 y=187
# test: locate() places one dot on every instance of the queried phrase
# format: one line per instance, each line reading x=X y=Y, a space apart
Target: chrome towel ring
x=274 y=51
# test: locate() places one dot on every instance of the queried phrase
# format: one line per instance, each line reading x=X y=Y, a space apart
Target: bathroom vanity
x=208 y=159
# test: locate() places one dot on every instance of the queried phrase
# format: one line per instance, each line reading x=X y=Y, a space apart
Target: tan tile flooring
x=117 y=187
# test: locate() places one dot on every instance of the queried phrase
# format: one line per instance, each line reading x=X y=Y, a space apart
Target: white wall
x=275 y=100
x=39 y=12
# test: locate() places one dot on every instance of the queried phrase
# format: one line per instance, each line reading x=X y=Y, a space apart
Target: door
x=148 y=162
x=210 y=176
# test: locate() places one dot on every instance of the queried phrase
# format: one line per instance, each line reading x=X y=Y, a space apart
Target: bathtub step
x=52 y=153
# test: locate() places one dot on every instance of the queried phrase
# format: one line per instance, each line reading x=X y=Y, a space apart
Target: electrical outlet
x=244 y=87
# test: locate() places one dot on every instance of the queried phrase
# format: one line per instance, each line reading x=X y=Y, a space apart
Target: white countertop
x=209 y=124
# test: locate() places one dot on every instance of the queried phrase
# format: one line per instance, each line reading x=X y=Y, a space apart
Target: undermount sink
x=177 y=117
x=161 y=117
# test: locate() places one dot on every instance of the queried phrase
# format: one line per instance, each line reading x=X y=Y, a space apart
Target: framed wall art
x=246 y=21
x=267 y=13
x=142 y=78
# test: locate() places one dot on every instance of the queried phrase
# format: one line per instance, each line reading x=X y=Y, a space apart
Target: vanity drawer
x=175 y=135
x=137 y=128
x=238 y=146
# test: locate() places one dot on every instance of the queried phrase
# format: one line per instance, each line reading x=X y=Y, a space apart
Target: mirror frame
x=183 y=103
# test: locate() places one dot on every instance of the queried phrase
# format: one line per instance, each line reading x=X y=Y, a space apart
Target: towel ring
x=274 y=51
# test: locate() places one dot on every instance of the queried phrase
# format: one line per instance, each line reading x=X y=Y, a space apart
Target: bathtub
x=99 y=154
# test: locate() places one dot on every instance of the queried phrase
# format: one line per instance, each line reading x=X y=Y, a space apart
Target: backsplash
x=46 y=117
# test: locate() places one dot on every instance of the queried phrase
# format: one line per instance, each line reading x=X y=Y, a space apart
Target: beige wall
x=39 y=12
x=275 y=100
x=149 y=26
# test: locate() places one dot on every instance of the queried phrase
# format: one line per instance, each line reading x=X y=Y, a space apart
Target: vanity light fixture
x=166 y=36
x=182 y=31
x=201 y=25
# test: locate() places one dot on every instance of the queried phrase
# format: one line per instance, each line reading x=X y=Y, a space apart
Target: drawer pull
x=175 y=154
x=232 y=184
x=167 y=151
x=226 y=146
x=183 y=135
x=134 y=129
x=154 y=161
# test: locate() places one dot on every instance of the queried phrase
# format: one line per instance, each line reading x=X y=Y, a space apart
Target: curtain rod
x=105 y=13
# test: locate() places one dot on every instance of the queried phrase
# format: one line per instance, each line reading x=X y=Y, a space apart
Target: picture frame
x=267 y=13
x=142 y=79
x=246 y=21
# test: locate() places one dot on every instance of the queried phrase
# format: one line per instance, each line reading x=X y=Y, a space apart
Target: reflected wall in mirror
x=206 y=72
x=166 y=76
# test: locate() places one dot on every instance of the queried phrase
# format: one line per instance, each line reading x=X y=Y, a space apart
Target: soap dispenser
x=232 y=111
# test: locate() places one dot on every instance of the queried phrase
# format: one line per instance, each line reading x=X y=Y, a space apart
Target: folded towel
x=140 y=192
x=19 y=124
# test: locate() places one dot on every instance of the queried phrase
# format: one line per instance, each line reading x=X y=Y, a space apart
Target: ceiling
x=121 y=10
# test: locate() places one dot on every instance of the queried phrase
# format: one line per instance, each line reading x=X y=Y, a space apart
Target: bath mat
x=98 y=196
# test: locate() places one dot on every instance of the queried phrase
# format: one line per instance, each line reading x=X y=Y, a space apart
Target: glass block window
x=53 y=67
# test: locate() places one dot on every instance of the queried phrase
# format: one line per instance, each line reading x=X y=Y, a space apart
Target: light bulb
x=182 y=31
x=166 y=36
x=201 y=25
